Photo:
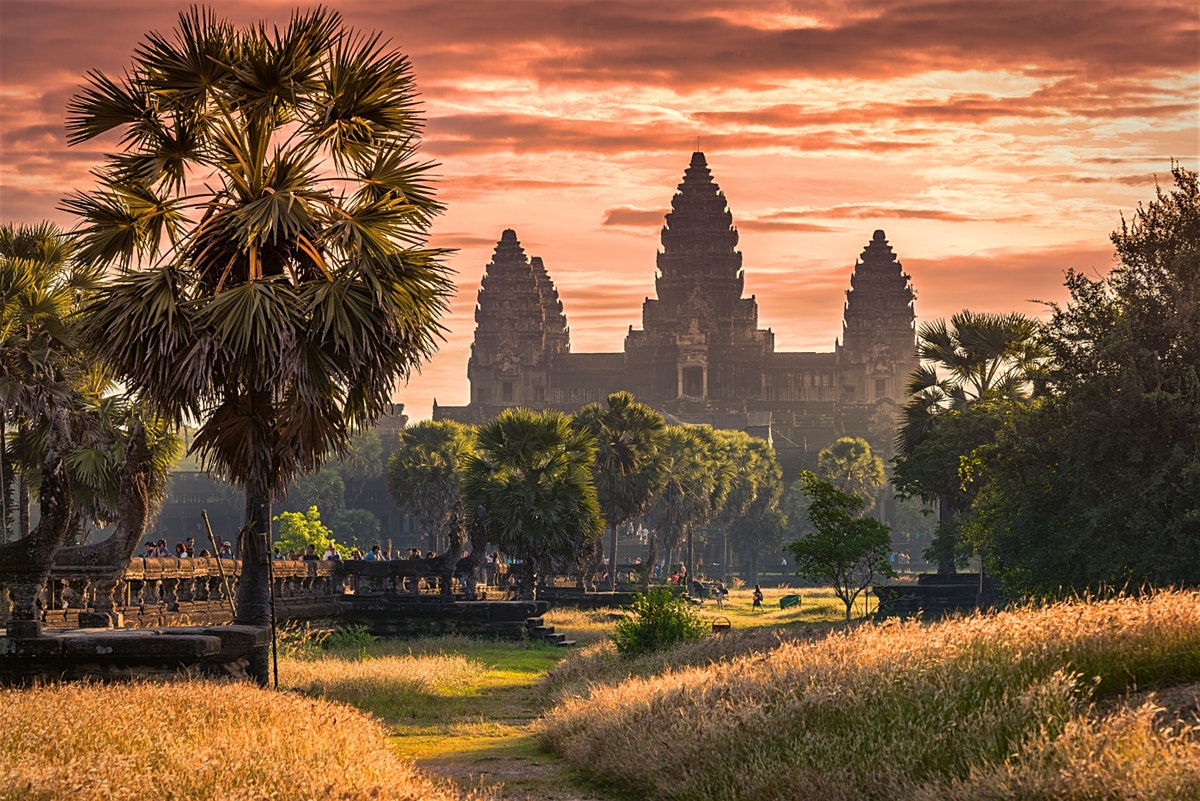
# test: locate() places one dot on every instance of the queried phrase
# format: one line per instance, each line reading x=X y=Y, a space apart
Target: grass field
x=788 y=704
x=1024 y=704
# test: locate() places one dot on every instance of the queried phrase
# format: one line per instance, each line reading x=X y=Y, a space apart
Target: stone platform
x=121 y=654
x=936 y=595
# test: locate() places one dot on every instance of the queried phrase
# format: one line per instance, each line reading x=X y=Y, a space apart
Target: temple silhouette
x=700 y=356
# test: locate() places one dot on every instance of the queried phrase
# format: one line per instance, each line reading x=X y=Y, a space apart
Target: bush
x=660 y=618
x=354 y=637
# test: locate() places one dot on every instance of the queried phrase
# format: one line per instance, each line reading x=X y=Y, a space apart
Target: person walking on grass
x=758 y=596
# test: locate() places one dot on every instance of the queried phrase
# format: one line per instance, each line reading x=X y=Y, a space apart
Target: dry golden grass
x=879 y=711
x=1127 y=755
x=584 y=626
x=390 y=686
x=196 y=740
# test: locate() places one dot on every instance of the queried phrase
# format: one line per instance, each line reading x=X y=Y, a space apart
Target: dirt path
x=496 y=751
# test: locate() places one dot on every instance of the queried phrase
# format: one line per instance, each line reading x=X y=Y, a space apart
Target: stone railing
x=169 y=591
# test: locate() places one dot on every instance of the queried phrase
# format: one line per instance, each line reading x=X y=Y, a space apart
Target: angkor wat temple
x=700 y=356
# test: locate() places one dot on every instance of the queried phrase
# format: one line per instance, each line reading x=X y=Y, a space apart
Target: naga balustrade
x=169 y=591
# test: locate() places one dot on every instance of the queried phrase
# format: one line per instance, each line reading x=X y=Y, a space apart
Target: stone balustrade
x=202 y=591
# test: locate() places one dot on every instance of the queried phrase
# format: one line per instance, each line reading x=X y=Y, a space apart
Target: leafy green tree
x=976 y=358
x=532 y=473
x=846 y=550
x=425 y=476
x=267 y=215
x=850 y=465
x=659 y=619
x=362 y=464
x=323 y=488
x=356 y=527
x=628 y=469
x=298 y=530
x=1098 y=485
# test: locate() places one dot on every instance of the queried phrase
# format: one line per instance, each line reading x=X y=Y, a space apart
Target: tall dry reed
x=195 y=741
x=878 y=711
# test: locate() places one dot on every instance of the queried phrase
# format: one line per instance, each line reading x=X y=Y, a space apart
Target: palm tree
x=752 y=509
x=424 y=476
x=699 y=476
x=268 y=217
x=40 y=364
x=850 y=466
x=974 y=359
x=628 y=469
x=532 y=474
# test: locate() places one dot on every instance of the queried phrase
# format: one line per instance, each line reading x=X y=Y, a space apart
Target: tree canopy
x=425 y=476
x=846 y=550
x=532 y=472
x=1098 y=484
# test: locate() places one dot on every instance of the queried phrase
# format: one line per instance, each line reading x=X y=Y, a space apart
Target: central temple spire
x=699 y=242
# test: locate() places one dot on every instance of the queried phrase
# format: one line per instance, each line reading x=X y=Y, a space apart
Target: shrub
x=353 y=637
x=660 y=618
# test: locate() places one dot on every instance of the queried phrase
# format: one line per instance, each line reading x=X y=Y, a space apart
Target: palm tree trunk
x=691 y=559
x=5 y=484
x=612 y=557
x=254 y=587
x=22 y=507
x=651 y=562
x=944 y=543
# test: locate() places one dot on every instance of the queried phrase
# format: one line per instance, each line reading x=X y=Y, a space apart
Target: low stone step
x=564 y=643
x=554 y=638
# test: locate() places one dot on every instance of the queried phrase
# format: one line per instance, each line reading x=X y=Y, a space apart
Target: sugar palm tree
x=267 y=213
x=751 y=511
x=699 y=476
x=975 y=359
x=628 y=468
x=425 y=473
x=851 y=467
x=532 y=473
x=40 y=364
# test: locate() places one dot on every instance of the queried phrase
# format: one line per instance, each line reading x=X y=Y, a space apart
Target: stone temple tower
x=700 y=339
x=519 y=328
x=878 y=347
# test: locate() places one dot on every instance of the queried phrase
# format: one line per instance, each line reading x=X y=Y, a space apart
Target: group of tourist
x=184 y=550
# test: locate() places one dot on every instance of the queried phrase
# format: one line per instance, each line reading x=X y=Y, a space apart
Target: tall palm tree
x=699 y=476
x=976 y=356
x=425 y=473
x=852 y=468
x=974 y=359
x=752 y=509
x=40 y=363
x=628 y=468
x=268 y=215
x=532 y=473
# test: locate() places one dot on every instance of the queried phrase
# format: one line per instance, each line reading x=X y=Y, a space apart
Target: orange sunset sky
x=997 y=142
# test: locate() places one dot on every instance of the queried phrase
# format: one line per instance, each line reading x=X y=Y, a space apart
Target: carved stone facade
x=700 y=356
